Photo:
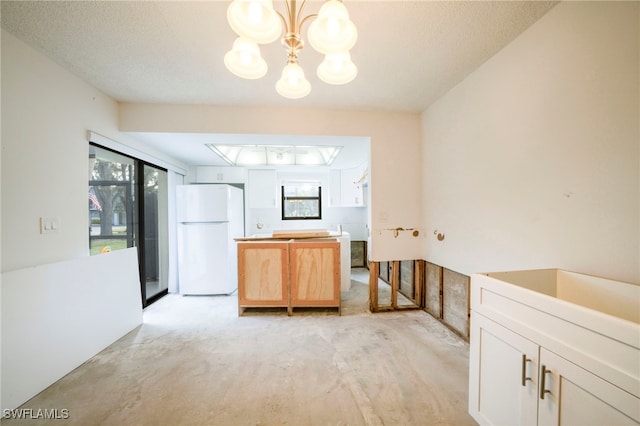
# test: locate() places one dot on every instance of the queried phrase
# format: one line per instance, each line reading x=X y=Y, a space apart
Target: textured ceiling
x=408 y=53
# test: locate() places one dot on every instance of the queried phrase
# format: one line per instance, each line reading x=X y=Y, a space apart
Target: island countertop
x=289 y=234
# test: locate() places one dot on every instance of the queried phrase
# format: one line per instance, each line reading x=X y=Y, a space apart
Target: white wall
x=532 y=160
x=46 y=114
x=394 y=160
x=56 y=316
x=352 y=219
x=174 y=179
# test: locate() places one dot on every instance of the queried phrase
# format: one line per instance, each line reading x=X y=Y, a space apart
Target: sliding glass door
x=128 y=208
x=154 y=210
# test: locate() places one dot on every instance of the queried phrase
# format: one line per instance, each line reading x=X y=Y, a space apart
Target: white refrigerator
x=209 y=218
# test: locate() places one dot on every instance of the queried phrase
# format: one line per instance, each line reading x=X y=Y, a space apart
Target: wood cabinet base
x=291 y=274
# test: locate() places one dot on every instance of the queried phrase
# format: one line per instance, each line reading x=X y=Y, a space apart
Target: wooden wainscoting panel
x=395 y=282
x=433 y=289
x=419 y=282
x=373 y=286
x=455 y=295
x=407 y=279
x=384 y=272
x=395 y=302
x=359 y=254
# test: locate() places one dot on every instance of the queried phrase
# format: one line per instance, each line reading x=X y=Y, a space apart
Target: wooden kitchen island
x=288 y=273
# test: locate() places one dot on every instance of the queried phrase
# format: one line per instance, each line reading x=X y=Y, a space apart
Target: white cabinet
x=517 y=382
x=570 y=395
x=212 y=174
x=503 y=370
x=335 y=188
x=536 y=359
x=347 y=187
x=262 y=189
x=351 y=188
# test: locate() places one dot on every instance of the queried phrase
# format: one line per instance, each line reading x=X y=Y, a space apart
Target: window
x=112 y=213
x=301 y=201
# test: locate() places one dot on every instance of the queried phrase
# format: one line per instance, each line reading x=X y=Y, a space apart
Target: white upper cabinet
x=335 y=188
x=348 y=186
x=213 y=174
x=262 y=189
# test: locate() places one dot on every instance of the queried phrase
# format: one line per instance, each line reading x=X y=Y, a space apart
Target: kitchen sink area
x=559 y=346
x=616 y=298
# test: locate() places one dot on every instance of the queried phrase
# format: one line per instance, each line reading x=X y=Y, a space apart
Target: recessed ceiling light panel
x=276 y=155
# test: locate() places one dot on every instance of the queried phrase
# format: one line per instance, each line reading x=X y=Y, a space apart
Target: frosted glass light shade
x=337 y=68
x=332 y=31
x=244 y=59
x=255 y=20
x=293 y=84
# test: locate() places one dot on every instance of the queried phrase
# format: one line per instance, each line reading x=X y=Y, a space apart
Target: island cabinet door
x=263 y=274
x=314 y=273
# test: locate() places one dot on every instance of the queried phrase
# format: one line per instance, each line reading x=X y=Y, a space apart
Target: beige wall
x=46 y=113
x=395 y=175
x=532 y=160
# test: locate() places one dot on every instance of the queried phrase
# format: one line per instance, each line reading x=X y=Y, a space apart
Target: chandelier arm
x=315 y=15
x=284 y=21
x=298 y=23
x=291 y=14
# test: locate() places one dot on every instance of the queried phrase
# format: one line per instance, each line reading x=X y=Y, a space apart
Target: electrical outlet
x=49 y=225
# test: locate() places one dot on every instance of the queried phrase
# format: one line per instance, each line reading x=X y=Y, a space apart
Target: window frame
x=284 y=199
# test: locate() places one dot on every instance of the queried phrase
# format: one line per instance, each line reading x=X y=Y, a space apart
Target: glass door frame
x=142 y=252
x=135 y=237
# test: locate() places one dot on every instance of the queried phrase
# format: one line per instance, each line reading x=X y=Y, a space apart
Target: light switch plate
x=49 y=225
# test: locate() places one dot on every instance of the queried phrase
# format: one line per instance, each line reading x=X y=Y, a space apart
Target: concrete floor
x=195 y=362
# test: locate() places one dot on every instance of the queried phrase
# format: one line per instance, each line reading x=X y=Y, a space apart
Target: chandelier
x=256 y=22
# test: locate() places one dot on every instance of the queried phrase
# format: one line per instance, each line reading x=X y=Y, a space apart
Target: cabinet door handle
x=524 y=370
x=543 y=376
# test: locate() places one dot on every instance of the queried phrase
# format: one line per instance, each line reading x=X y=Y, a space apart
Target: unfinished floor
x=195 y=362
